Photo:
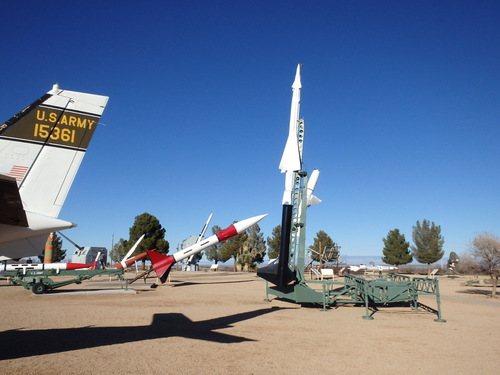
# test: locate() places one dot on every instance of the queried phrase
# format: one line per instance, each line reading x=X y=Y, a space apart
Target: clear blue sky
x=400 y=98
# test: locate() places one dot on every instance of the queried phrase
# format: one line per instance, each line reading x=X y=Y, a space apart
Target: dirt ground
x=219 y=323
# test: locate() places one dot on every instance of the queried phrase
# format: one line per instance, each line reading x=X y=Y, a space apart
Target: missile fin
x=162 y=264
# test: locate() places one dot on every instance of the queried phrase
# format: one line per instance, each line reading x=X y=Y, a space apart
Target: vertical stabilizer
x=41 y=149
x=43 y=145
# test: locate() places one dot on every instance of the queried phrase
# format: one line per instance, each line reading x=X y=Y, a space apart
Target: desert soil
x=219 y=323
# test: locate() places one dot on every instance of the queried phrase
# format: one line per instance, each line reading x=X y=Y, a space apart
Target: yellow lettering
x=82 y=123
x=72 y=120
x=43 y=130
x=66 y=134
x=40 y=115
x=55 y=133
x=64 y=120
x=91 y=122
x=52 y=117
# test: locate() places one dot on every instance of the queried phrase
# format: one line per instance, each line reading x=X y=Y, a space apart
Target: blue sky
x=400 y=101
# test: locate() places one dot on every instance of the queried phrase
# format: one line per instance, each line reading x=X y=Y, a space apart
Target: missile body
x=291 y=160
x=279 y=273
x=124 y=265
x=24 y=267
x=311 y=185
x=163 y=263
x=363 y=267
x=127 y=263
x=200 y=237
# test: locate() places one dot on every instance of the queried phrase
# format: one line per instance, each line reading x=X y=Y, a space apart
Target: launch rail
x=39 y=281
x=382 y=290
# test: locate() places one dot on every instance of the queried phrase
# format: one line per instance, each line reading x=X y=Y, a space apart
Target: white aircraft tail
x=41 y=149
x=43 y=145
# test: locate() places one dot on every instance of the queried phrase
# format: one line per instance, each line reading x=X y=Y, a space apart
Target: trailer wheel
x=39 y=288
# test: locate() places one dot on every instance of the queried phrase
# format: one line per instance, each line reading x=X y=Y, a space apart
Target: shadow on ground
x=19 y=343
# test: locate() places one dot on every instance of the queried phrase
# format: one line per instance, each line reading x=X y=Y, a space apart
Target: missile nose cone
x=296 y=83
x=243 y=225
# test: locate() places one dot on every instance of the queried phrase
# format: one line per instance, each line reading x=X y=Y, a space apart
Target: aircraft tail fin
x=162 y=264
x=43 y=145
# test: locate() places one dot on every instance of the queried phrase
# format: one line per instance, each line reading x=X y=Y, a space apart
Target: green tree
x=119 y=250
x=324 y=245
x=396 y=249
x=428 y=243
x=273 y=243
x=154 y=235
x=254 y=249
x=214 y=252
x=486 y=249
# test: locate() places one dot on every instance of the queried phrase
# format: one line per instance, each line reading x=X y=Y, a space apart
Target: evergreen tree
x=273 y=243
x=324 y=244
x=154 y=235
x=428 y=242
x=396 y=249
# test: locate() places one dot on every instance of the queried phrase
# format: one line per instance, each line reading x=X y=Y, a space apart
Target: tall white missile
x=291 y=160
x=281 y=273
x=163 y=263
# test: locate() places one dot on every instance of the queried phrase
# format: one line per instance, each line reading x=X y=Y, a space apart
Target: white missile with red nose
x=163 y=263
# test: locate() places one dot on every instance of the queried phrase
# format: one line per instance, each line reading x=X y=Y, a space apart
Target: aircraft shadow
x=188 y=283
x=20 y=343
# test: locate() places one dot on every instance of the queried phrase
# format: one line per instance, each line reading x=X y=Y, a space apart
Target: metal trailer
x=40 y=281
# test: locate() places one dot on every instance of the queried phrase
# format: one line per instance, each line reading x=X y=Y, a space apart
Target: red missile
x=163 y=263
